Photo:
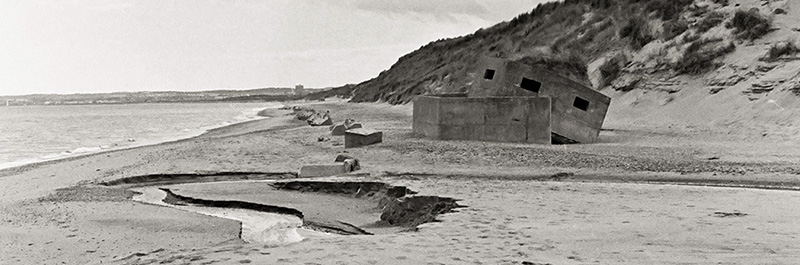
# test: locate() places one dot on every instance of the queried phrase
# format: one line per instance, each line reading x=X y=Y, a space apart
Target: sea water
x=272 y=229
x=31 y=134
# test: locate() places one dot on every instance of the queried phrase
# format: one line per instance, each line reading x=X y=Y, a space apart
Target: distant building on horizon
x=299 y=90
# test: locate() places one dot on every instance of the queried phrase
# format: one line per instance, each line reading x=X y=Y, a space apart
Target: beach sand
x=618 y=201
x=315 y=206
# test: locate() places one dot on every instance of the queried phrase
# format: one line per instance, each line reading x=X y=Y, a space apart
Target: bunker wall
x=426 y=116
x=506 y=119
x=574 y=105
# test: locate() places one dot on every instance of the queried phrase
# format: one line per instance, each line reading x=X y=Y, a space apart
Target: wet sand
x=317 y=208
x=508 y=222
x=256 y=227
x=320 y=207
x=545 y=204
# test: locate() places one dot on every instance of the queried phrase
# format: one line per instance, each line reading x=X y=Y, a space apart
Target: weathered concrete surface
x=339 y=129
x=504 y=83
x=499 y=119
x=540 y=121
x=351 y=163
x=426 y=116
x=568 y=120
x=304 y=114
x=324 y=170
x=361 y=137
x=320 y=121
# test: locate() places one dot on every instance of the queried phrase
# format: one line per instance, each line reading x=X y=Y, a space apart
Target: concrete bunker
x=498 y=119
x=492 y=110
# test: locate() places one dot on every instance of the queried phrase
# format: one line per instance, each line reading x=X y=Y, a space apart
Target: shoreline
x=208 y=129
x=641 y=177
x=533 y=197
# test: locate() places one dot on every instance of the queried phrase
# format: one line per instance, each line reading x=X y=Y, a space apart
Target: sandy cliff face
x=750 y=88
x=683 y=63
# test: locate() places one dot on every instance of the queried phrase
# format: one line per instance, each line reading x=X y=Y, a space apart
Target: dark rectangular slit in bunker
x=530 y=85
x=581 y=103
x=558 y=139
x=489 y=74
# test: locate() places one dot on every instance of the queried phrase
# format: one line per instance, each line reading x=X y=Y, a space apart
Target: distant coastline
x=211 y=96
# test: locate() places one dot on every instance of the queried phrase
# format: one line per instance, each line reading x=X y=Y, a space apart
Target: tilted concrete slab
x=577 y=111
x=320 y=121
x=574 y=113
x=339 y=129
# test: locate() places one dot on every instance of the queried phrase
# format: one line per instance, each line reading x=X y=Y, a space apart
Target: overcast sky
x=79 y=46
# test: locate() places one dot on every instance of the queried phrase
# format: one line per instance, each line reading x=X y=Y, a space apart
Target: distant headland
x=246 y=95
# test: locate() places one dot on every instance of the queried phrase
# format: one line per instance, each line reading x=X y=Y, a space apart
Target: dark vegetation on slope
x=711 y=20
x=340 y=92
x=638 y=32
x=567 y=35
x=699 y=57
x=750 y=25
x=780 y=49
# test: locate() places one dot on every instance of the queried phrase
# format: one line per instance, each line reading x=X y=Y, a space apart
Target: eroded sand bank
x=546 y=204
x=257 y=227
x=272 y=214
x=508 y=222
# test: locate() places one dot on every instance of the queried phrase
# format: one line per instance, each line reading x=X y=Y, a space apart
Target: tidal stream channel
x=277 y=212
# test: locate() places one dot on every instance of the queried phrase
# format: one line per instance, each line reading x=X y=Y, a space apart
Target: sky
x=80 y=46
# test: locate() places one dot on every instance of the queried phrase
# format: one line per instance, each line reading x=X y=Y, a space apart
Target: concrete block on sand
x=320 y=121
x=349 y=162
x=339 y=129
x=324 y=170
x=304 y=115
x=361 y=137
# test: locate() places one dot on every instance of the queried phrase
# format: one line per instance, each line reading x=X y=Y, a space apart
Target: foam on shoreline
x=257 y=227
x=244 y=116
